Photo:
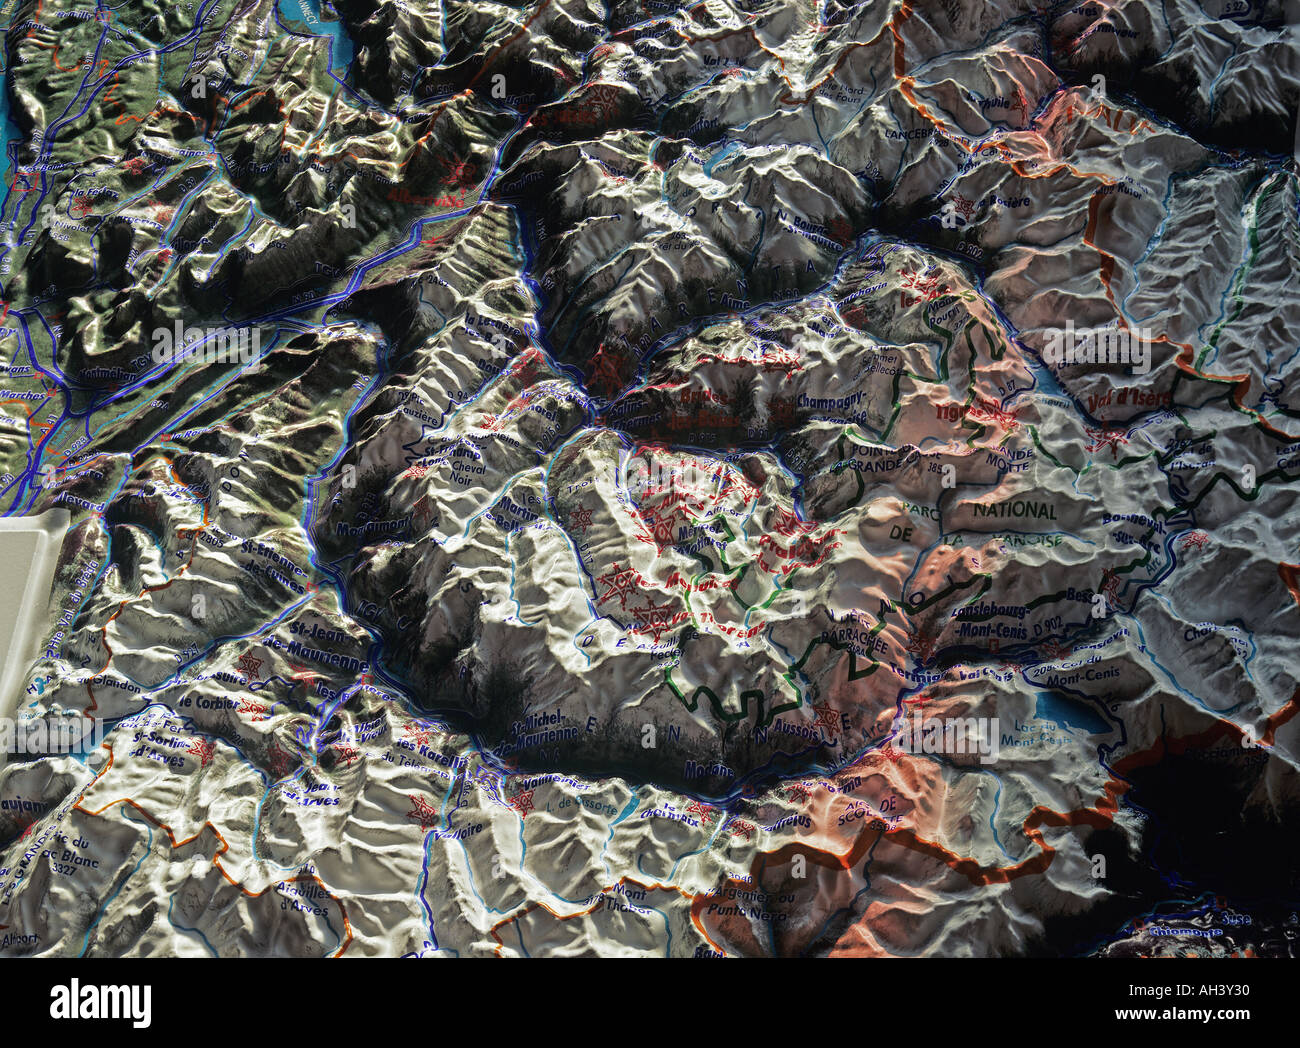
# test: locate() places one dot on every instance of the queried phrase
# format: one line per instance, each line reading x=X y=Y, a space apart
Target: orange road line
x=103 y=633
x=596 y=906
x=216 y=858
x=54 y=57
x=1101 y=816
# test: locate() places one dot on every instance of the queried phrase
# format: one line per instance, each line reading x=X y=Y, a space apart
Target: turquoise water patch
x=1068 y=713
x=8 y=131
x=305 y=15
x=721 y=155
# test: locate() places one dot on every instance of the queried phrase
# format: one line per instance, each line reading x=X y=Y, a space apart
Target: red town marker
x=522 y=802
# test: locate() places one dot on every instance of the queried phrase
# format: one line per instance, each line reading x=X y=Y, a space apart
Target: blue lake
x=1069 y=713
x=8 y=132
x=305 y=15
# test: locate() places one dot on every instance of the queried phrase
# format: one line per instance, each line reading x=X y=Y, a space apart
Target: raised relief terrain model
x=633 y=478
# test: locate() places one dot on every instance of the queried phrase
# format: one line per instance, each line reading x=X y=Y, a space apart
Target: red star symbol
x=618 y=582
x=458 y=172
x=1196 y=540
x=660 y=525
x=655 y=619
x=798 y=793
x=828 y=717
x=921 y=646
x=580 y=521
x=963 y=206
x=1110 y=585
x=258 y=710
x=134 y=166
x=281 y=760
x=1105 y=438
x=422 y=812
x=741 y=828
x=522 y=802
x=250 y=666
x=417 y=733
x=204 y=749
x=1055 y=651
x=347 y=755
x=706 y=812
